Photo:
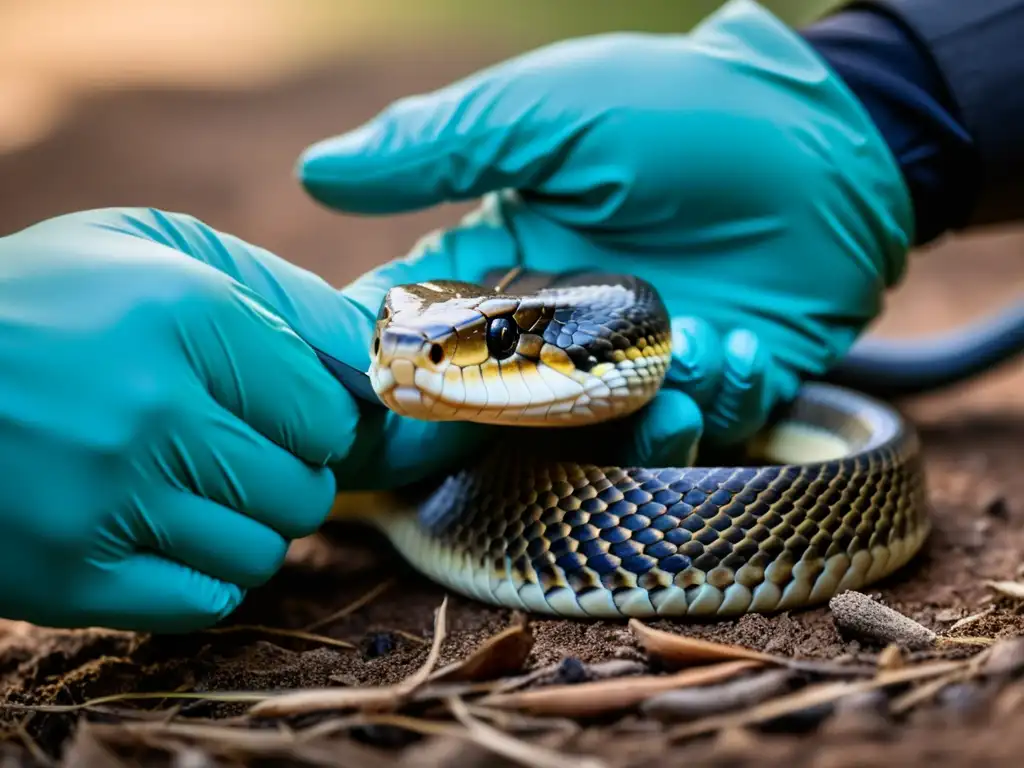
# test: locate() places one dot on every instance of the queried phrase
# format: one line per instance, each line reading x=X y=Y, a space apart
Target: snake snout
x=407 y=368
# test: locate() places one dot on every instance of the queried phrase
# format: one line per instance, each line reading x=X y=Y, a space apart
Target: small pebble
x=571 y=671
x=858 y=614
x=996 y=506
x=378 y=644
x=1005 y=658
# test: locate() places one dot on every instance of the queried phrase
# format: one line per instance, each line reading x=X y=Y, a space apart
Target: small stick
x=295 y=634
x=352 y=607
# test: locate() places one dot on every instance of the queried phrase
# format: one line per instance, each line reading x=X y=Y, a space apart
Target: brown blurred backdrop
x=203 y=106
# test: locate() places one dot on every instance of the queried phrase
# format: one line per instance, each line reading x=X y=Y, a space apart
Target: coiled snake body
x=834 y=499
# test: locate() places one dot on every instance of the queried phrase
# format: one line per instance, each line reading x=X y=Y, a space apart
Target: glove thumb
x=490 y=132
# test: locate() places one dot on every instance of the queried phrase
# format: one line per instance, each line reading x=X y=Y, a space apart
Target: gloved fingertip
x=221 y=600
x=148 y=593
x=330 y=170
x=697 y=358
x=742 y=351
x=738 y=408
x=667 y=431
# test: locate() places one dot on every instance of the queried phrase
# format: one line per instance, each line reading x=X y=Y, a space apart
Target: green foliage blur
x=538 y=21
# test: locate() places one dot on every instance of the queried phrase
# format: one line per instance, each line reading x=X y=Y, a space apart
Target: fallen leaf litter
x=490 y=699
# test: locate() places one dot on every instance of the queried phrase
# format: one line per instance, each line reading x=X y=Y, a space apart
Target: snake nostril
x=436 y=354
x=376 y=345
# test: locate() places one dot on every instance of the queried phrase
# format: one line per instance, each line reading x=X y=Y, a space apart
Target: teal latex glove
x=728 y=166
x=165 y=426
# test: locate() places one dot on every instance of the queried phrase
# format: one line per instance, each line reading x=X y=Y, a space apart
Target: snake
x=831 y=495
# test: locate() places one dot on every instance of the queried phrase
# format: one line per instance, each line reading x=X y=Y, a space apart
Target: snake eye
x=502 y=337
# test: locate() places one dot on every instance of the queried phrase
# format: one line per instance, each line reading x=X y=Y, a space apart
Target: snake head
x=452 y=351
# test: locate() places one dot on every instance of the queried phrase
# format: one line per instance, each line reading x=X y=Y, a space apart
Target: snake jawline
x=587 y=541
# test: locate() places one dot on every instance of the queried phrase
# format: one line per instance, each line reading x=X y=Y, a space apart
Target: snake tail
x=891 y=369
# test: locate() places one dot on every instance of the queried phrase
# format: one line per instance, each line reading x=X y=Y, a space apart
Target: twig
x=295 y=634
x=509 y=721
x=813 y=696
x=376 y=699
x=510 y=747
x=615 y=695
x=422 y=675
x=352 y=607
x=226 y=696
x=915 y=696
x=30 y=744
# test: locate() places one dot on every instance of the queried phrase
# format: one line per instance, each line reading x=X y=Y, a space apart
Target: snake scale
x=834 y=496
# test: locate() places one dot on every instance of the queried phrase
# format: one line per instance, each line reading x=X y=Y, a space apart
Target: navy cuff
x=903 y=90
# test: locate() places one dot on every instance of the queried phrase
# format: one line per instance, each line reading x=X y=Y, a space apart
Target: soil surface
x=228 y=158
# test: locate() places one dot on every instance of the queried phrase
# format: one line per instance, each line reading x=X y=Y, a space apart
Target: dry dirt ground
x=228 y=159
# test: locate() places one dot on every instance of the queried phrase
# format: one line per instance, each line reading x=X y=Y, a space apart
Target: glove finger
x=211 y=539
x=148 y=593
x=666 y=432
x=245 y=310
x=256 y=366
x=698 y=358
x=738 y=409
x=340 y=323
x=221 y=458
x=492 y=131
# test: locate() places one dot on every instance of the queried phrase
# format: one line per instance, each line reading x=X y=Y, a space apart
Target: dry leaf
x=375 y=699
x=501 y=655
x=688 y=703
x=604 y=696
x=1012 y=589
x=680 y=651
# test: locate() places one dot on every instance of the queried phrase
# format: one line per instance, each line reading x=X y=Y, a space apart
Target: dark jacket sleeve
x=944 y=81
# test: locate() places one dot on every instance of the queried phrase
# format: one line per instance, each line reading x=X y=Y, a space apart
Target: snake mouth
x=525 y=394
x=462 y=394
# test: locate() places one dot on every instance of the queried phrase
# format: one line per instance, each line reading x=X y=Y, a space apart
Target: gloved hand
x=165 y=428
x=729 y=166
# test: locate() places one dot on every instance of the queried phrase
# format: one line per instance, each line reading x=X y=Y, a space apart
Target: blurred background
x=203 y=106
